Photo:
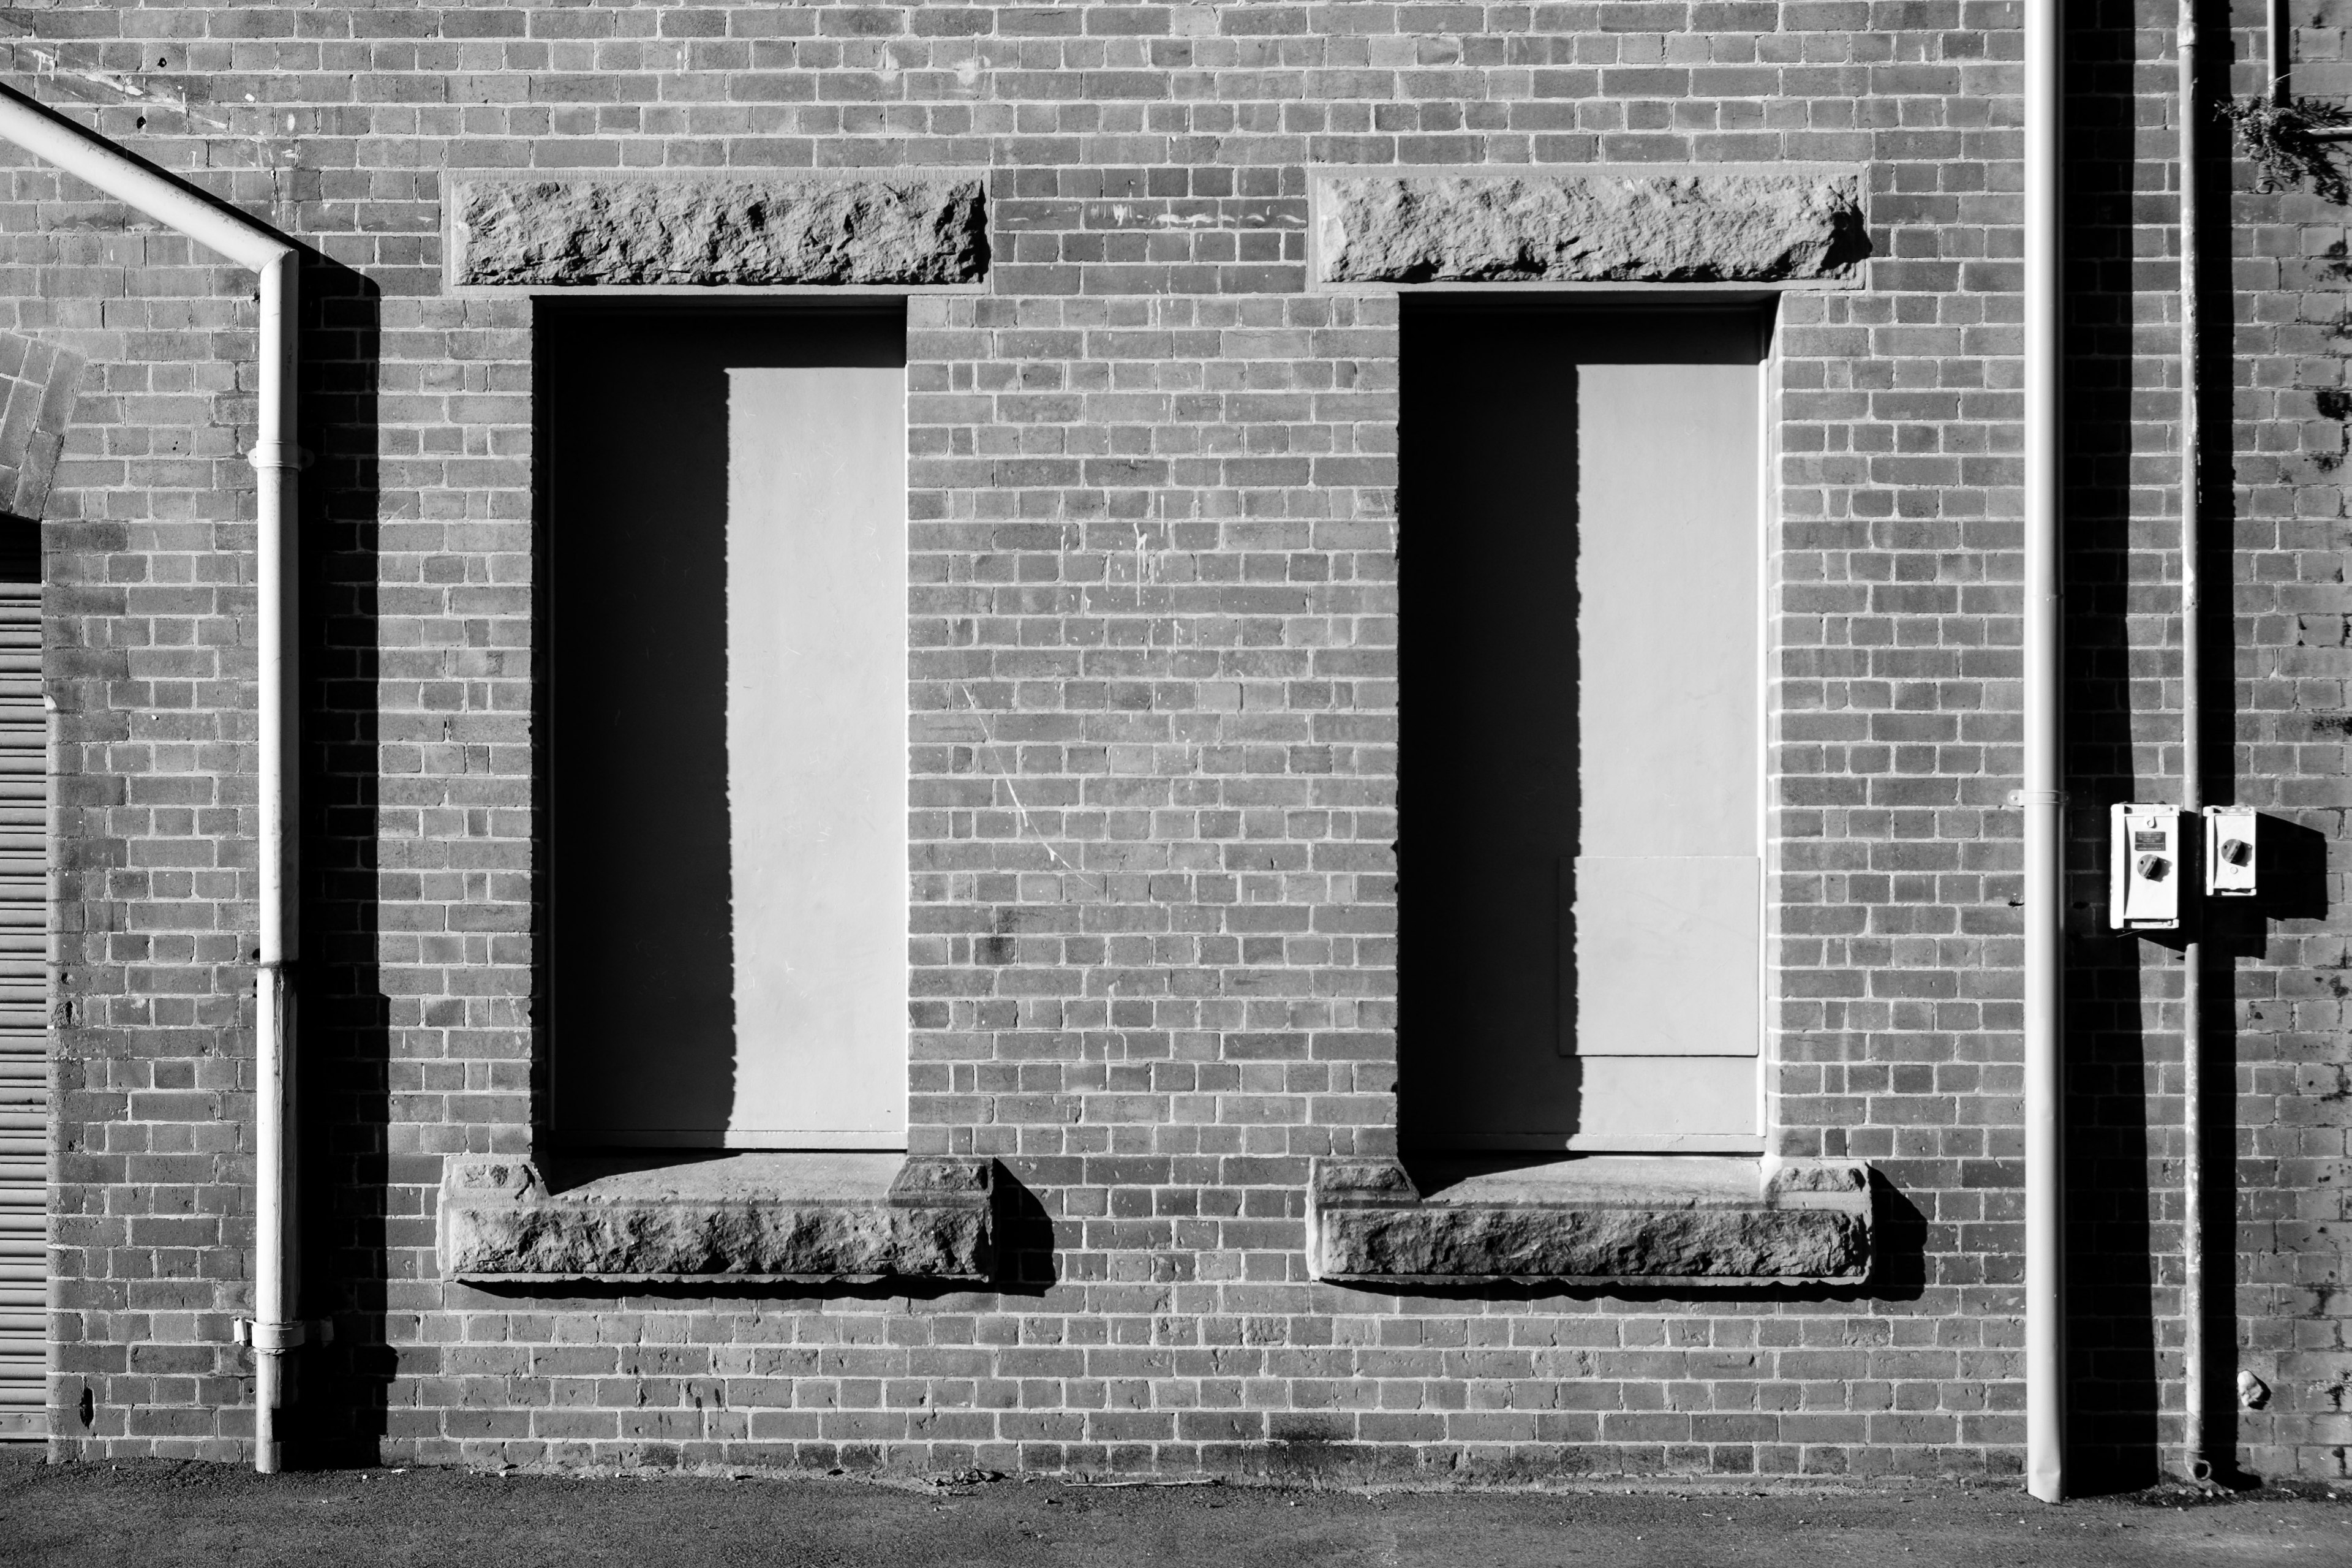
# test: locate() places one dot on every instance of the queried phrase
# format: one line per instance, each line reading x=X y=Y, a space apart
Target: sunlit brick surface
x=1154 y=737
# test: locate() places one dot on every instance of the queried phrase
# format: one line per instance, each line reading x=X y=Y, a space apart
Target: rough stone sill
x=1597 y=1220
x=800 y=1218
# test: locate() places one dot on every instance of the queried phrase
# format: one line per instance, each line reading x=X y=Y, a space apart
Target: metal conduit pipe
x=2277 y=62
x=2042 y=797
x=24 y=123
x=2195 y=1463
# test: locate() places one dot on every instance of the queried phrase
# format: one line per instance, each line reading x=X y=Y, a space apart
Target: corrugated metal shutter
x=23 y=1016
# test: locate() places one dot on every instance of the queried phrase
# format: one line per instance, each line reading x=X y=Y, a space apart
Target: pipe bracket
x=283 y=1336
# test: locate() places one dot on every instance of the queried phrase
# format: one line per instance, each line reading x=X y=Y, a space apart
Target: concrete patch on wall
x=38 y=382
x=1594 y=1221
x=795 y=1218
x=574 y=232
x=1590 y=228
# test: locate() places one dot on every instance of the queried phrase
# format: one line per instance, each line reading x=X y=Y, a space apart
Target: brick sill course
x=1595 y=1220
x=796 y=1219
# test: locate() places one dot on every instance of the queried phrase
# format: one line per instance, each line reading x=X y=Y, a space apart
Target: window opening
x=1580 y=823
x=726 y=552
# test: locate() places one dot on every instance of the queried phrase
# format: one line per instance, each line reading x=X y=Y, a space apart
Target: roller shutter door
x=23 y=1016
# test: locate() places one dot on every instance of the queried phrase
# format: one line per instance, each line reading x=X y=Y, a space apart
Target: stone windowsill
x=747 y=1218
x=1597 y=1220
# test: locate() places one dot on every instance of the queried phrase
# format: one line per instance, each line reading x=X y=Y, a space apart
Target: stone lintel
x=877 y=230
x=799 y=1218
x=1702 y=227
x=1592 y=1221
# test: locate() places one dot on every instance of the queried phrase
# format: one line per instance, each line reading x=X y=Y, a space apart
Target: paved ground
x=100 y=1516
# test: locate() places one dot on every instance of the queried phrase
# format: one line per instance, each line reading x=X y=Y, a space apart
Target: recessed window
x=1581 y=809
x=725 y=557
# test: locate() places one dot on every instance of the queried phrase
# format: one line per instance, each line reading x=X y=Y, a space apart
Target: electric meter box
x=2144 y=868
x=2229 y=851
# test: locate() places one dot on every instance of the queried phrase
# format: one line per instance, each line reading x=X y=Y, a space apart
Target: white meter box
x=2229 y=851
x=2144 y=868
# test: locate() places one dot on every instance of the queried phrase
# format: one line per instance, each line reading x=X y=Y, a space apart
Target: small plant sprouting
x=2283 y=142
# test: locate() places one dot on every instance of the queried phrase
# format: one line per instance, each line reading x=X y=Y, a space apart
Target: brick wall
x=1155 y=737
x=2285 y=698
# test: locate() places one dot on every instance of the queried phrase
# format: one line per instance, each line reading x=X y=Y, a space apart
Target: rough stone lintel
x=1590 y=227
x=883 y=230
x=802 y=1218
x=1635 y=1222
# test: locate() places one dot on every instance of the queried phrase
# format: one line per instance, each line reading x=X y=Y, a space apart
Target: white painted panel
x=1652 y=1104
x=1667 y=955
x=1667 y=608
x=1663 y=905
x=816 y=747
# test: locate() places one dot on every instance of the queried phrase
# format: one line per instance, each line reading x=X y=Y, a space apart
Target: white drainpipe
x=2196 y=1463
x=2043 y=798
x=275 y=1330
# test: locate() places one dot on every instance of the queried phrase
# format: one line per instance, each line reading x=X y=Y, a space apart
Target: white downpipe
x=2195 y=1463
x=276 y=461
x=275 y=1329
x=2043 y=798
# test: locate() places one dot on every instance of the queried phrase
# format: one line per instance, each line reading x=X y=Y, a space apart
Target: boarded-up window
x=1580 y=823
x=726 y=553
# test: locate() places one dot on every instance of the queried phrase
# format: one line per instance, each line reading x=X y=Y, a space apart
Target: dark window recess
x=678 y=529
x=1580 y=781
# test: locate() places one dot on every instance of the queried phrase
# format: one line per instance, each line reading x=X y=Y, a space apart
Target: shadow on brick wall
x=2112 y=1303
x=363 y=1206
x=2123 y=1236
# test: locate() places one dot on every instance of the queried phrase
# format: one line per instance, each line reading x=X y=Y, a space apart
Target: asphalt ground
x=100 y=1515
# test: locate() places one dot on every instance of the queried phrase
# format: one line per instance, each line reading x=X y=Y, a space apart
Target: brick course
x=1154 y=751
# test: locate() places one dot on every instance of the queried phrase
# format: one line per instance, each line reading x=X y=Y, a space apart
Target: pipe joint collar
x=267 y=456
